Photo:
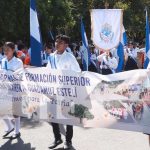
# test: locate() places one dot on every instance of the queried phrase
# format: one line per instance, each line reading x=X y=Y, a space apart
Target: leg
x=17 y=125
x=56 y=131
x=9 y=125
x=57 y=136
x=69 y=133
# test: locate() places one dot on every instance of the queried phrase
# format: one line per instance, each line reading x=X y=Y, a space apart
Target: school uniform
x=130 y=64
x=65 y=61
x=45 y=58
x=93 y=63
x=1 y=57
x=12 y=65
x=108 y=65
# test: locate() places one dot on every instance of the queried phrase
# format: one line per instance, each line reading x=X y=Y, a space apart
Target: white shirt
x=65 y=61
x=13 y=64
x=44 y=58
x=1 y=57
x=112 y=63
x=93 y=57
x=132 y=53
x=68 y=49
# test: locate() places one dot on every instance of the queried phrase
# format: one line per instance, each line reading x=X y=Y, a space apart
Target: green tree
x=81 y=112
x=63 y=16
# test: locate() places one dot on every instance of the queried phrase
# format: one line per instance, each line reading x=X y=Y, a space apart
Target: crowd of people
x=62 y=56
x=104 y=62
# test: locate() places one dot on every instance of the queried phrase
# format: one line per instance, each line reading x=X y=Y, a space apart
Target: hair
x=12 y=46
x=1 y=44
x=64 y=38
x=49 y=45
x=21 y=46
x=110 y=54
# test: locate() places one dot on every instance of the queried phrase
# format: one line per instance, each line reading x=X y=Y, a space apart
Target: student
x=108 y=63
x=11 y=63
x=1 y=52
x=63 y=60
x=48 y=50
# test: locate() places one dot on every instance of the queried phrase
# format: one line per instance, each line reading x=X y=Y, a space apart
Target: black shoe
x=68 y=145
x=15 y=136
x=7 y=133
x=55 y=143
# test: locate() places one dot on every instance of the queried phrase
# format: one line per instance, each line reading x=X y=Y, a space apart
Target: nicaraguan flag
x=86 y=51
x=35 y=36
x=147 y=47
x=120 y=51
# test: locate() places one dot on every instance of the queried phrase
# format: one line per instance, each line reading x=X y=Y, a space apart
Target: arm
x=100 y=57
x=113 y=63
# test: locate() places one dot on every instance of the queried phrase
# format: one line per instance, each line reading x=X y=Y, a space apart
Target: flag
x=106 y=27
x=120 y=51
x=35 y=36
x=147 y=47
x=85 y=51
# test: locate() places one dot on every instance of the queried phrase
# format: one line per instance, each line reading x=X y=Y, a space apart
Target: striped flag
x=147 y=47
x=120 y=51
x=85 y=51
x=35 y=36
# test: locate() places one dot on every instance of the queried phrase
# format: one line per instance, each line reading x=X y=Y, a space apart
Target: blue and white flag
x=147 y=47
x=85 y=52
x=120 y=51
x=35 y=36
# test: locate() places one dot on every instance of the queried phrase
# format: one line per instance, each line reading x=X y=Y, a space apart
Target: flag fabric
x=85 y=52
x=120 y=51
x=35 y=36
x=147 y=47
x=106 y=26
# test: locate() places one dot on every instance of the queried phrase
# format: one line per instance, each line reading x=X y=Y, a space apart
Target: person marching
x=48 y=50
x=130 y=57
x=108 y=63
x=61 y=59
x=1 y=52
x=11 y=63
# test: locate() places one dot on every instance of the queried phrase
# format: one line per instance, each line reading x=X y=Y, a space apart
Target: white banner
x=106 y=26
x=119 y=101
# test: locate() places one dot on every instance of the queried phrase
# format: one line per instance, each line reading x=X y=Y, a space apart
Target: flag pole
x=106 y=5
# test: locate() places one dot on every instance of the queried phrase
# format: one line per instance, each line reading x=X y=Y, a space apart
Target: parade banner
x=118 y=101
x=106 y=26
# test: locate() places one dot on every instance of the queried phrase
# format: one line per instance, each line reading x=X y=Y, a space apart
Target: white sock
x=8 y=124
x=17 y=125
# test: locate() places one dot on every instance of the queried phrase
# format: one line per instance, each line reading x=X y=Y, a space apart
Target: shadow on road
x=61 y=148
x=29 y=123
x=19 y=145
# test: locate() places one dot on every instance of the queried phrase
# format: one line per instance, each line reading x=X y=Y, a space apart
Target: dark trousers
x=106 y=71
x=57 y=135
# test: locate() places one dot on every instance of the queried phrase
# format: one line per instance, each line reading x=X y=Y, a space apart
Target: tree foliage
x=81 y=112
x=63 y=16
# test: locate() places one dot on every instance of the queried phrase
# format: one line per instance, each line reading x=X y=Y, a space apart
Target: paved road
x=38 y=136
